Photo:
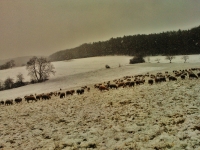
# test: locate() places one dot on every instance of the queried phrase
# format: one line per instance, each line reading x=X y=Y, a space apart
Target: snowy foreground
x=144 y=117
x=162 y=116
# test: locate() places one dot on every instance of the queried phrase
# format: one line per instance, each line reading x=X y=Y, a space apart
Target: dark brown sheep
x=88 y=89
x=18 y=100
x=1 y=102
x=131 y=84
x=192 y=75
x=112 y=86
x=126 y=84
x=198 y=74
x=28 y=98
x=71 y=92
x=172 y=78
x=62 y=95
x=9 y=102
x=38 y=96
x=150 y=81
x=120 y=84
x=80 y=91
x=46 y=96
x=182 y=77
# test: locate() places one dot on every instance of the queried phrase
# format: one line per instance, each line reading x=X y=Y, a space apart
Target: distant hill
x=166 y=43
x=19 y=61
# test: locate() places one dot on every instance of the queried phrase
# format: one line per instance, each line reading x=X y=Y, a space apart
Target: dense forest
x=179 y=42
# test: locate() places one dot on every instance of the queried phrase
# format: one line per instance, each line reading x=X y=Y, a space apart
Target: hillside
x=172 y=42
x=79 y=72
x=19 y=61
x=158 y=116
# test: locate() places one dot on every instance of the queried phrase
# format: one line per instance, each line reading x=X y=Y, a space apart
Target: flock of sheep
x=126 y=81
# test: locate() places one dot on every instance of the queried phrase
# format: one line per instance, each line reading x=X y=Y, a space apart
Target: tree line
x=7 y=65
x=39 y=69
x=181 y=42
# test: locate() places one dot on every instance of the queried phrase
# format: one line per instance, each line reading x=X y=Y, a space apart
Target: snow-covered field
x=145 y=117
x=79 y=72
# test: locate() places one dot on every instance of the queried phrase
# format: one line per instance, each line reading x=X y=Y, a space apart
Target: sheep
x=28 y=98
x=192 y=75
x=18 y=100
x=9 y=102
x=112 y=86
x=69 y=93
x=150 y=81
x=2 y=102
x=38 y=96
x=126 y=84
x=102 y=87
x=131 y=84
x=80 y=91
x=62 y=95
x=88 y=89
x=198 y=74
x=120 y=84
x=45 y=96
x=172 y=78
x=182 y=77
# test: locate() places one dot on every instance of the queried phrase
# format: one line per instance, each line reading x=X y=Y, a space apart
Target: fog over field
x=86 y=71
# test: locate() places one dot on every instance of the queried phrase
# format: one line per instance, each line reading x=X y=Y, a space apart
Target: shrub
x=8 y=83
x=137 y=59
x=107 y=67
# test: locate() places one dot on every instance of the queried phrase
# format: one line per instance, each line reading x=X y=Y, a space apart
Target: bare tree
x=148 y=59
x=20 y=78
x=170 y=57
x=11 y=63
x=39 y=68
x=8 y=83
x=1 y=85
x=185 y=58
x=158 y=60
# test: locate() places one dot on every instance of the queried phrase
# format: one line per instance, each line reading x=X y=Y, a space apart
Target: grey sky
x=42 y=27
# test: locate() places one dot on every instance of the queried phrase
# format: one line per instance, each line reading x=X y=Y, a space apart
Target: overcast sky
x=42 y=27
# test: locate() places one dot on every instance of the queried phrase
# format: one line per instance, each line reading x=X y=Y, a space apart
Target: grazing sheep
x=38 y=96
x=132 y=84
x=120 y=84
x=102 y=87
x=150 y=81
x=62 y=95
x=192 y=75
x=138 y=82
x=126 y=84
x=88 y=89
x=46 y=96
x=28 y=98
x=80 y=91
x=198 y=74
x=157 y=80
x=55 y=93
x=112 y=86
x=182 y=77
x=1 y=102
x=9 y=102
x=18 y=100
x=162 y=79
x=172 y=78
x=69 y=93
